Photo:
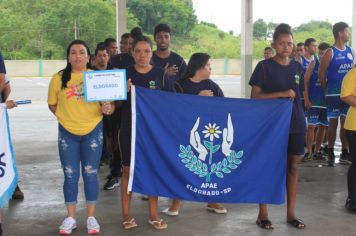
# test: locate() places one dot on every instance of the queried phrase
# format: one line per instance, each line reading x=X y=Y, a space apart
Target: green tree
x=259 y=29
x=178 y=14
x=314 y=25
x=205 y=38
x=132 y=21
x=43 y=29
x=209 y=24
x=320 y=35
x=19 y=28
x=33 y=29
x=97 y=22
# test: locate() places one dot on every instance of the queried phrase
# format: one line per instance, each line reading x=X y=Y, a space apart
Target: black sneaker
x=350 y=206
x=318 y=156
x=307 y=157
x=112 y=183
x=324 y=150
x=18 y=194
x=345 y=157
x=331 y=157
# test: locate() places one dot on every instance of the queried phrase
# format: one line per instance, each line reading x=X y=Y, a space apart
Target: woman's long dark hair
x=66 y=72
x=197 y=61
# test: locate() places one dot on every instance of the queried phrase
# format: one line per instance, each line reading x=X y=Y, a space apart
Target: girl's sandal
x=158 y=224
x=264 y=224
x=130 y=224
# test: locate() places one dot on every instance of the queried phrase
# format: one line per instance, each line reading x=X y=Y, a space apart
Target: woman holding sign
x=145 y=75
x=80 y=134
x=279 y=77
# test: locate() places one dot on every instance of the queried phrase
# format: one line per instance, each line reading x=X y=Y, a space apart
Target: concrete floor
x=321 y=197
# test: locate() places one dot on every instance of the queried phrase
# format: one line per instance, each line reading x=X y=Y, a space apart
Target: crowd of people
x=324 y=67
x=109 y=124
x=319 y=79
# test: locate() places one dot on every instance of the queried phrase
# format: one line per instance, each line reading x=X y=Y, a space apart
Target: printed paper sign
x=105 y=85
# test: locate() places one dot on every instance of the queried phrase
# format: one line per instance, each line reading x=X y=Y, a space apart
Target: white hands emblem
x=228 y=138
x=195 y=141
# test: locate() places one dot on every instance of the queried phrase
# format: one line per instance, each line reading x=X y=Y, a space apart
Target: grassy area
x=219 y=44
x=204 y=38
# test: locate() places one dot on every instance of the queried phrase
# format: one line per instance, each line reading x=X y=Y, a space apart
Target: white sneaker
x=92 y=225
x=67 y=225
x=170 y=213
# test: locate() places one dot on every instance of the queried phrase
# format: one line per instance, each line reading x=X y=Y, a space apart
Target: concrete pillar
x=354 y=24
x=121 y=22
x=246 y=46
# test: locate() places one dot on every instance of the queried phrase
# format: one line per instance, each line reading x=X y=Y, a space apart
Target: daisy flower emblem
x=212 y=131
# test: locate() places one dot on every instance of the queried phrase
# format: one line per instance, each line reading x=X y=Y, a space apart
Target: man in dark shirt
x=268 y=52
x=101 y=58
x=125 y=43
x=163 y=57
x=111 y=126
x=111 y=46
x=124 y=59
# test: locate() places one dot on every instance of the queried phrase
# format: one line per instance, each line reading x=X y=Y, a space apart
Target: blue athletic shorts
x=296 y=144
x=335 y=107
x=317 y=116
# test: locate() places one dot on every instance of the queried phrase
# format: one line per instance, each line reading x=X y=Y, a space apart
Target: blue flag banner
x=8 y=171
x=209 y=149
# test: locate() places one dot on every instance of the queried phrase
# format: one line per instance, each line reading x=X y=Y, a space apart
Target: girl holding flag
x=195 y=80
x=142 y=74
x=279 y=77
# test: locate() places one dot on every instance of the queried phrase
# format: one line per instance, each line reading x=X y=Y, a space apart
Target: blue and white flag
x=209 y=149
x=8 y=171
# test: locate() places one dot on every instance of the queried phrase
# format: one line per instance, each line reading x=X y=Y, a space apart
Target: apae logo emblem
x=350 y=56
x=297 y=79
x=204 y=164
x=152 y=84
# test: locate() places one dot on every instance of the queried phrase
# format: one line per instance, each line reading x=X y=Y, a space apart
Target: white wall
x=32 y=68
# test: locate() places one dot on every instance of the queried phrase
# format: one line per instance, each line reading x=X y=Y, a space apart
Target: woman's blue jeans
x=80 y=152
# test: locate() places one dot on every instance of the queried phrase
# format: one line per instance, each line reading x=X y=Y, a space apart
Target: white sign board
x=105 y=85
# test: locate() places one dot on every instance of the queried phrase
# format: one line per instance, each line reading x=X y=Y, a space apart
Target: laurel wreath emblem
x=220 y=168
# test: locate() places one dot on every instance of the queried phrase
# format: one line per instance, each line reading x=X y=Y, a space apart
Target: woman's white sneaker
x=67 y=226
x=93 y=225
